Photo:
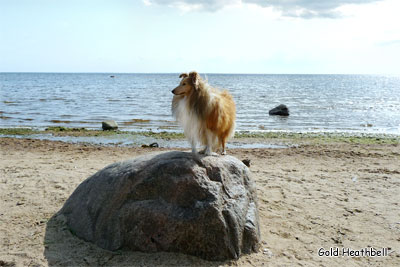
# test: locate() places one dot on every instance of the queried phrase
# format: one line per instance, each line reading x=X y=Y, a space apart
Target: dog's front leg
x=207 y=151
x=193 y=144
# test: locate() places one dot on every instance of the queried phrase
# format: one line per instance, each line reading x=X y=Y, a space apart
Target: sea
x=142 y=102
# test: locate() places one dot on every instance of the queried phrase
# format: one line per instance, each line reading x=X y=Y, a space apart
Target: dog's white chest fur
x=189 y=121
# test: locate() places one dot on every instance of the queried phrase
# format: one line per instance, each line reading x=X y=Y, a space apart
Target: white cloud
x=147 y=2
x=190 y=5
x=308 y=8
x=389 y=43
x=288 y=8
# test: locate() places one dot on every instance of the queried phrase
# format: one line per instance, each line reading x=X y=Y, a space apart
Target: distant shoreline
x=292 y=137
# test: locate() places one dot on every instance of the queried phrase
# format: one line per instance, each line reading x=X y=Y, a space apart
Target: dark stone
x=7 y=263
x=174 y=202
x=109 y=125
x=154 y=145
x=151 y=145
x=246 y=162
x=281 y=110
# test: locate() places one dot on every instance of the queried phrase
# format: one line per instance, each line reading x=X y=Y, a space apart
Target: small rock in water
x=281 y=110
x=109 y=125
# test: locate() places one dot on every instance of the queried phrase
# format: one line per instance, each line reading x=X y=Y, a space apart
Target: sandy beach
x=310 y=196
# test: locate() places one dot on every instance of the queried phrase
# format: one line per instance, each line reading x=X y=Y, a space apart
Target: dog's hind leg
x=208 y=149
x=223 y=140
x=210 y=143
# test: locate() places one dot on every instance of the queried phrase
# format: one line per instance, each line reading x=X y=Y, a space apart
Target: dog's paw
x=197 y=156
x=223 y=153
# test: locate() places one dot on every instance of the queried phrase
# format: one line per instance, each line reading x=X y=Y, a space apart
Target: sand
x=310 y=196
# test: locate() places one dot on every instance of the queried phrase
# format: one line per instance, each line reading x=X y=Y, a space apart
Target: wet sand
x=310 y=196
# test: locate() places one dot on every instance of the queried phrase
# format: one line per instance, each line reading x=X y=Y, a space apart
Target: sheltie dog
x=206 y=114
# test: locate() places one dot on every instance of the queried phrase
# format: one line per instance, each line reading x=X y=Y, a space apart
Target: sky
x=210 y=36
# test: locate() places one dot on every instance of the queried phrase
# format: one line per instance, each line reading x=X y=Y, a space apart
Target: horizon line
x=213 y=73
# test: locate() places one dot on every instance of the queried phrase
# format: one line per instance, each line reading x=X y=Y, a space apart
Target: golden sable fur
x=206 y=114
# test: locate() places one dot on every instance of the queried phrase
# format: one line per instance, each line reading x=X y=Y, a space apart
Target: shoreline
x=118 y=137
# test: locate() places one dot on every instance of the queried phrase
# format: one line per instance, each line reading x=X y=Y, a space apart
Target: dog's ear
x=183 y=75
x=195 y=77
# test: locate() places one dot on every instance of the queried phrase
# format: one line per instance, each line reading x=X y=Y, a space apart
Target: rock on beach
x=204 y=206
x=109 y=125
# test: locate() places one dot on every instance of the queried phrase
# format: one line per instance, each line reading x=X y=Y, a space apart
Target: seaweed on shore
x=17 y=131
x=324 y=137
x=66 y=131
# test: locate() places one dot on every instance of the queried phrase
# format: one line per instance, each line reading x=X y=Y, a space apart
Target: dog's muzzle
x=174 y=92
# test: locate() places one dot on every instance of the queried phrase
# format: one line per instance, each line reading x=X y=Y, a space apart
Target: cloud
x=308 y=8
x=190 y=5
x=288 y=8
x=390 y=43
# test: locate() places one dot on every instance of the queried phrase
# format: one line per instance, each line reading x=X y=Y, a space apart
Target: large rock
x=174 y=202
x=109 y=125
x=281 y=110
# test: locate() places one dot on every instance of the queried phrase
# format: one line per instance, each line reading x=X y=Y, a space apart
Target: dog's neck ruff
x=188 y=119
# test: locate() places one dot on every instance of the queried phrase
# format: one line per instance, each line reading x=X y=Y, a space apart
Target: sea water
x=142 y=102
